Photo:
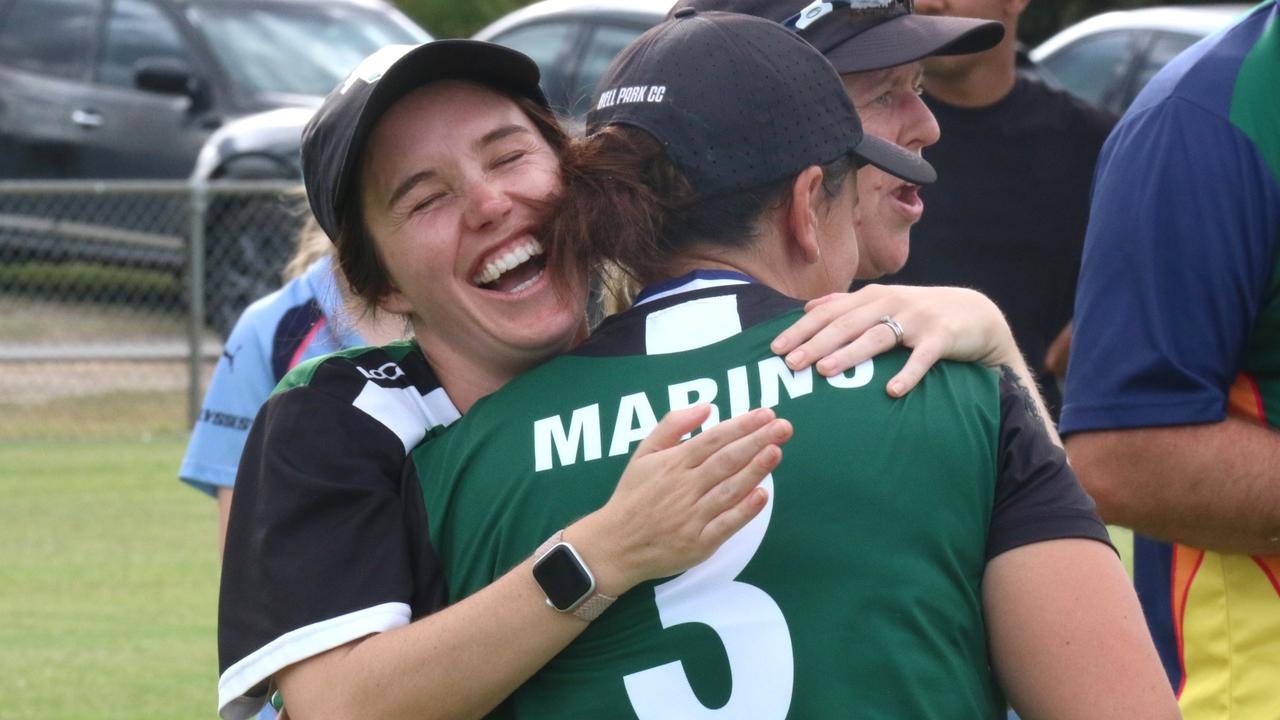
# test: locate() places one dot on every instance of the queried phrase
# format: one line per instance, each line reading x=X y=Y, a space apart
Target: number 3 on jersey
x=748 y=622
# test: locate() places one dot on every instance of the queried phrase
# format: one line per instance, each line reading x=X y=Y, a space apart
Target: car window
x=51 y=37
x=605 y=43
x=295 y=48
x=1092 y=67
x=548 y=44
x=1164 y=48
x=137 y=29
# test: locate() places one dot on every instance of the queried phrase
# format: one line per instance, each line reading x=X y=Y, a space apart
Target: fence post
x=195 y=285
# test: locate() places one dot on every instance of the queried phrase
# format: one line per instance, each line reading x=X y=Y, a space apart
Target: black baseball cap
x=334 y=138
x=739 y=102
x=887 y=32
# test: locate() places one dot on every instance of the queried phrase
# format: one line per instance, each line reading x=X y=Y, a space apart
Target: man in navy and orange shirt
x=1173 y=390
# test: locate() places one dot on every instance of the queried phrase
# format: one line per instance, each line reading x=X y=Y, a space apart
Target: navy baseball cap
x=334 y=138
x=739 y=102
x=863 y=35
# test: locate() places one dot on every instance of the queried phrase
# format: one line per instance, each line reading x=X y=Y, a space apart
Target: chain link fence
x=115 y=297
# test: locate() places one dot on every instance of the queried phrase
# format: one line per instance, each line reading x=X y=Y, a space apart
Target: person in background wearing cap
x=1007 y=216
x=888 y=530
x=877 y=47
x=439 y=218
x=1173 y=392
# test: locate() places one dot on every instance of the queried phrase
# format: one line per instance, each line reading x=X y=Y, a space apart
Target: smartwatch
x=566 y=581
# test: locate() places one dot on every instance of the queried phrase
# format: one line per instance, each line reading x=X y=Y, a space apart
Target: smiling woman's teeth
x=509 y=260
x=526 y=283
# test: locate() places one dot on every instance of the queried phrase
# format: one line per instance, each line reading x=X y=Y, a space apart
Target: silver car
x=1107 y=59
x=573 y=42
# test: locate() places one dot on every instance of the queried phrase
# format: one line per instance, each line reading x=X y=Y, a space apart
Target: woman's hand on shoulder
x=677 y=502
x=840 y=330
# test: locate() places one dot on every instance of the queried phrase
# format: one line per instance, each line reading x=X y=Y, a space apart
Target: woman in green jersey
x=913 y=558
x=432 y=170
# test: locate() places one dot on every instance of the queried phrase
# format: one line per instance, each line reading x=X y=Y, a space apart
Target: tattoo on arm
x=1014 y=379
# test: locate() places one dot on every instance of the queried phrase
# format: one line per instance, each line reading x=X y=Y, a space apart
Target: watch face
x=562 y=577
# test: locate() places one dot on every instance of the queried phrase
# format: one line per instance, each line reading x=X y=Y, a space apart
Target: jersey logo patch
x=387 y=371
x=231 y=357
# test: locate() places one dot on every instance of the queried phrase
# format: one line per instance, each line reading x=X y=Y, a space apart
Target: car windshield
x=296 y=48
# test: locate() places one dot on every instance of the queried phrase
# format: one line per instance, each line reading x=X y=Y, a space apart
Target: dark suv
x=131 y=90
x=251 y=234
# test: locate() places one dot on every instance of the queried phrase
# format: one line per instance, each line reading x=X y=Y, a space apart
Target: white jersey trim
x=300 y=644
x=406 y=412
x=694 y=284
x=692 y=324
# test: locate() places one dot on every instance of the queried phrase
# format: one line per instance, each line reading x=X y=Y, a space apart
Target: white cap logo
x=631 y=94
x=374 y=66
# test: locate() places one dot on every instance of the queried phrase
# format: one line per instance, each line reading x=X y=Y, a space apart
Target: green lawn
x=108 y=582
x=1123 y=540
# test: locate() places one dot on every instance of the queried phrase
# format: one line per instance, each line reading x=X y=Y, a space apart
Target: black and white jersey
x=326 y=538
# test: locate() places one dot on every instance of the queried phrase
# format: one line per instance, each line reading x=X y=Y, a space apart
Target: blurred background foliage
x=461 y=18
x=457 y=18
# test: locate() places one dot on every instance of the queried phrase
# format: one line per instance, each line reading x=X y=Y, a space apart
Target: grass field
x=108 y=582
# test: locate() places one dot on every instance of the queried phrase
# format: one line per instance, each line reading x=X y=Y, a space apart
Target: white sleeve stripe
x=440 y=409
x=296 y=645
x=405 y=411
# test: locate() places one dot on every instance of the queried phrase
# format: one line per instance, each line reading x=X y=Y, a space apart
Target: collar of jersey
x=696 y=280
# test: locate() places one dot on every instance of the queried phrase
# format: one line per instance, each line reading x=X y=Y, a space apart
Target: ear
x=395 y=302
x=802 y=219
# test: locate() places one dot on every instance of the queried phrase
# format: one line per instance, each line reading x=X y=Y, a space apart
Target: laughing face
x=453 y=179
x=889 y=104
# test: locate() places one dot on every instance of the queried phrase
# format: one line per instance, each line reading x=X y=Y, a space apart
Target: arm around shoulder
x=674 y=505
x=460 y=662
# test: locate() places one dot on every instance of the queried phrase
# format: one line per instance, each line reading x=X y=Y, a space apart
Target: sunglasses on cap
x=819 y=9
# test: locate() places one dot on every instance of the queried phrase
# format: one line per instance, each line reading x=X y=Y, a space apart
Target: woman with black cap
x=903 y=548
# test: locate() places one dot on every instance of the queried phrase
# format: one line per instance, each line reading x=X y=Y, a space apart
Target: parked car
x=1107 y=59
x=573 y=42
x=250 y=235
x=132 y=89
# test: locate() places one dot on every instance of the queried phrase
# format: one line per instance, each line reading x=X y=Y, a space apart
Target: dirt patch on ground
x=29 y=320
x=75 y=369
x=35 y=383
x=54 y=348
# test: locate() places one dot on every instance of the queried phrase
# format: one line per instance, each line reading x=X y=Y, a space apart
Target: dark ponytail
x=624 y=202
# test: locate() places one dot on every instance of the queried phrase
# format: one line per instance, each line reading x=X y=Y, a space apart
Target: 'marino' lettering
x=635 y=418
x=584 y=431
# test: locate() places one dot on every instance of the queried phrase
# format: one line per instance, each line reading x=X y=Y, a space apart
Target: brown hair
x=624 y=203
x=357 y=255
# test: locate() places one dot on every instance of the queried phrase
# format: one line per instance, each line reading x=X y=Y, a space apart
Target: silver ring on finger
x=895 y=327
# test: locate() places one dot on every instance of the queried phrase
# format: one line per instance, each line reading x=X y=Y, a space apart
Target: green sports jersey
x=855 y=593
